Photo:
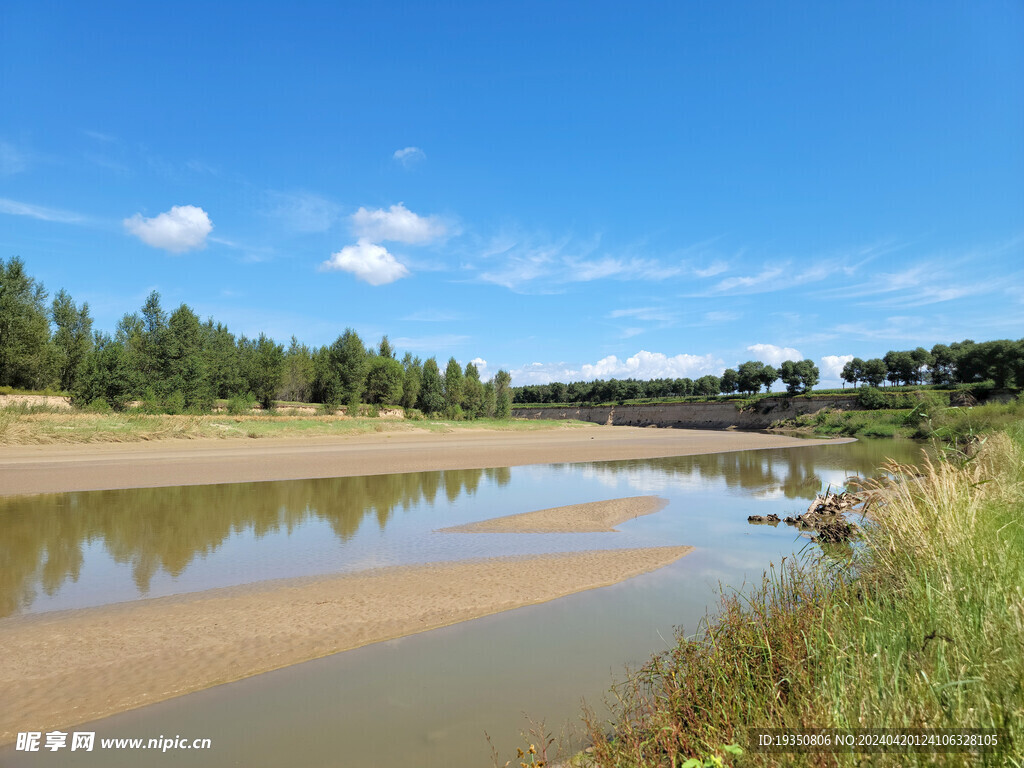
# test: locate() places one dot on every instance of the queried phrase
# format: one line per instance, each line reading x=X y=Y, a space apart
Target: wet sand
x=26 y=469
x=592 y=517
x=65 y=668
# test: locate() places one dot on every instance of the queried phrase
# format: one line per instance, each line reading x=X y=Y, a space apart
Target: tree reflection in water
x=165 y=529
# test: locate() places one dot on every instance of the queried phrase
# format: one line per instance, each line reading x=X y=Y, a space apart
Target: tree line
x=178 y=362
x=799 y=377
x=964 y=362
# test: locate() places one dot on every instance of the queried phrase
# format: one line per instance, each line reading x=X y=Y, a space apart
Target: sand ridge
x=26 y=469
x=591 y=517
x=65 y=668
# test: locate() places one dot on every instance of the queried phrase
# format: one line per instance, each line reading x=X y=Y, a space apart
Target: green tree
x=749 y=375
x=384 y=380
x=432 y=392
x=730 y=381
x=768 y=377
x=263 y=368
x=874 y=372
x=326 y=387
x=106 y=374
x=942 y=369
x=490 y=404
x=184 y=368
x=922 y=359
x=453 y=381
x=472 y=392
x=152 y=351
x=72 y=340
x=220 y=354
x=385 y=349
x=297 y=381
x=412 y=380
x=502 y=395
x=809 y=375
x=900 y=367
x=799 y=376
x=348 y=356
x=25 y=352
x=853 y=372
x=707 y=386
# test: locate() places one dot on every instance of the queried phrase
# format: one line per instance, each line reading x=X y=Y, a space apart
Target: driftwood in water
x=824 y=516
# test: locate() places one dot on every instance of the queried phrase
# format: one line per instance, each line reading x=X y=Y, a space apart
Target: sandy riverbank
x=58 y=468
x=65 y=668
x=592 y=517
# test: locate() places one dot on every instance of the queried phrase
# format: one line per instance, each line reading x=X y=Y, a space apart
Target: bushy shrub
x=870 y=398
x=175 y=403
x=98 y=405
x=240 y=404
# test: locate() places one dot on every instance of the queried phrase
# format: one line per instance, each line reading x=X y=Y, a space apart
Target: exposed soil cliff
x=712 y=415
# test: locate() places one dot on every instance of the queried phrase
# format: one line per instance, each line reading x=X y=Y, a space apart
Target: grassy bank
x=928 y=418
x=40 y=425
x=924 y=629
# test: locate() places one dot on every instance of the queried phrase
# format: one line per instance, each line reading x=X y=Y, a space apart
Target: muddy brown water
x=427 y=699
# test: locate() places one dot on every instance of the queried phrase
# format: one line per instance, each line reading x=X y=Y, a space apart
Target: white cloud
x=432 y=316
x=713 y=318
x=430 y=343
x=714 y=268
x=14 y=208
x=766 y=280
x=409 y=156
x=553 y=263
x=180 y=229
x=642 y=365
x=304 y=211
x=369 y=262
x=481 y=367
x=397 y=224
x=773 y=355
x=663 y=317
x=832 y=366
x=11 y=160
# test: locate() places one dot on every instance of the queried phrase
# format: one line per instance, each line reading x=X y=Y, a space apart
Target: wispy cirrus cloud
x=432 y=316
x=43 y=213
x=303 y=212
x=940 y=278
x=12 y=159
x=430 y=343
x=541 y=265
x=785 y=274
x=712 y=269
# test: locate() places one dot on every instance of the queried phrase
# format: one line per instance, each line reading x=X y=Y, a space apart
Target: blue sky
x=564 y=190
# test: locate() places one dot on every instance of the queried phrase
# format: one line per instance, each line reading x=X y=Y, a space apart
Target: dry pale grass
x=47 y=427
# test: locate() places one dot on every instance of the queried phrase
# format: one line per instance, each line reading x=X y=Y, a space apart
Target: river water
x=428 y=699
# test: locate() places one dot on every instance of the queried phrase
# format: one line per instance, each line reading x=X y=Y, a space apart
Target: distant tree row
x=613 y=390
x=181 y=362
x=800 y=376
x=962 y=362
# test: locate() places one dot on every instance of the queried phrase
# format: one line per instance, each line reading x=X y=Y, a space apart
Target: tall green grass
x=923 y=628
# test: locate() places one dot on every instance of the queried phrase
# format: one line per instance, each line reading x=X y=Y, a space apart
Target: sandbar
x=591 y=517
x=28 y=469
x=68 y=667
